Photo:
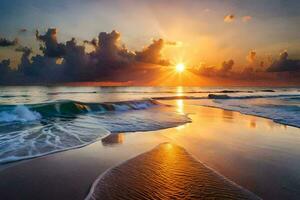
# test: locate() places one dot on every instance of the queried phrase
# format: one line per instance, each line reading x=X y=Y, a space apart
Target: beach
x=149 y=100
x=236 y=147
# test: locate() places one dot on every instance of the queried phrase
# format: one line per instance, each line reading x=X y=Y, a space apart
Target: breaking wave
x=30 y=112
x=33 y=130
x=19 y=113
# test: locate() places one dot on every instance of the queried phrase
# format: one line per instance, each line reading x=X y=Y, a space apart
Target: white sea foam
x=48 y=133
x=43 y=140
x=19 y=114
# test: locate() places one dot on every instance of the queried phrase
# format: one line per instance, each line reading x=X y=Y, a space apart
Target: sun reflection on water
x=179 y=91
x=180 y=106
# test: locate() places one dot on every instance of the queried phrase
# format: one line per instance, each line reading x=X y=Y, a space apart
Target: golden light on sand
x=180 y=67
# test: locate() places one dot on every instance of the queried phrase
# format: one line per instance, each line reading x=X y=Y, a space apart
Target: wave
x=42 y=140
x=33 y=130
x=19 y=113
x=31 y=112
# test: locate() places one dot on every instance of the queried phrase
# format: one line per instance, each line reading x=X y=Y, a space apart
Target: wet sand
x=70 y=174
x=166 y=172
x=256 y=153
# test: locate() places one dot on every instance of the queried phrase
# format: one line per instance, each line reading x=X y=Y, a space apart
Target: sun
x=180 y=67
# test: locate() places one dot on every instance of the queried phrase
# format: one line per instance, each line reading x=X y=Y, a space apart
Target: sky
x=205 y=35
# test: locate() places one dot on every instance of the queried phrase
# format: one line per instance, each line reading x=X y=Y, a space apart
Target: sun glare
x=180 y=67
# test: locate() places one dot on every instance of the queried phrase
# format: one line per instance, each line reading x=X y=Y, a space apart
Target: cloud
x=206 y=71
x=37 y=68
x=4 y=66
x=284 y=70
x=251 y=57
x=77 y=65
x=152 y=53
x=109 y=48
x=23 y=30
x=6 y=42
x=92 y=42
x=229 y=18
x=69 y=62
x=23 y=49
x=227 y=66
x=25 y=61
x=172 y=43
x=246 y=18
x=51 y=47
x=284 y=64
x=248 y=70
x=111 y=60
x=224 y=71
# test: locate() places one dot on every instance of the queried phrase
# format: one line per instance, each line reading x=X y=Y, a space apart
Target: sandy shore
x=166 y=172
x=250 y=151
x=70 y=174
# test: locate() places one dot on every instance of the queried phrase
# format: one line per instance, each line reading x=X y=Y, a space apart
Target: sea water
x=36 y=121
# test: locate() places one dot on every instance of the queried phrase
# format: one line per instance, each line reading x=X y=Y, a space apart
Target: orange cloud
x=247 y=18
x=251 y=56
x=229 y=18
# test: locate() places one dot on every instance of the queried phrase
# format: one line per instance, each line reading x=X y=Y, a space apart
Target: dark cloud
x=51 y=47
x=69 y=62
x=23 y=30
x=109 y=48
x=77 y=65
x=25 y=60
x=24 y=49
x=262 y=64
x=111 y=60
x=206 y=71
x=223 y=71
x=284 y=70
x=152 y=53
x=4 y=66
x=284 y=64
x=6 y=42
x=38 y=68
x=227 y=66
x=93 y=42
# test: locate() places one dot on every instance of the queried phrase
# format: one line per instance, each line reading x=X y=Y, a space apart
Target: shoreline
x=84 y=159
x=69 y=174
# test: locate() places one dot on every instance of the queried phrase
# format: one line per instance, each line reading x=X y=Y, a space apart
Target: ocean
x=36 y=121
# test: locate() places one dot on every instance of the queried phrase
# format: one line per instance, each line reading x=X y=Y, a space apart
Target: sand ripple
x=166 y=172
